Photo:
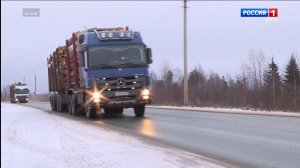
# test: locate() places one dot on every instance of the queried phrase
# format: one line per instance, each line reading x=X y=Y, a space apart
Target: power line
x=161 y=20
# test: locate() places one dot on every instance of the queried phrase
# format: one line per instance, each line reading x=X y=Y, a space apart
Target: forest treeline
x=259 y=85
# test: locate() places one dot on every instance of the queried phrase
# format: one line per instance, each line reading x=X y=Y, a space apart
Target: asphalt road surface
x=236 y=140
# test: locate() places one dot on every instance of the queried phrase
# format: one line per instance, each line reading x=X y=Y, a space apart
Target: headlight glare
x=96 y=100
x=145 y=97
x=96 y=95
x=146 y=92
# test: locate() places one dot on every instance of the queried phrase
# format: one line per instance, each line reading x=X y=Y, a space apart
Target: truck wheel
x=70 y=104
x=107 y=111
x=53 y=104
x=90 y=112
x=75 y=107
x=64 y=107
x=58 y=104
x=139 y=110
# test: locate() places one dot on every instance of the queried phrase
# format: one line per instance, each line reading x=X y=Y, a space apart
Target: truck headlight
x=145 y=92
x=96 y=95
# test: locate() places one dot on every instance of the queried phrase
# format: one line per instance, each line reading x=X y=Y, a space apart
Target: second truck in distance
x=19 y=93
x=100 y=68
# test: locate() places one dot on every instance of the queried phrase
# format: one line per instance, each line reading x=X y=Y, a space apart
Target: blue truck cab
x=113 y=72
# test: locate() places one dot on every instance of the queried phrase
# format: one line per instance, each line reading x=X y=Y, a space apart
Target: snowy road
x=31 y=138
x=235 y=139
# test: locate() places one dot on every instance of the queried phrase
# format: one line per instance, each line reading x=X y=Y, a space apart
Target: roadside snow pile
x=33 y=138
x=230 y=110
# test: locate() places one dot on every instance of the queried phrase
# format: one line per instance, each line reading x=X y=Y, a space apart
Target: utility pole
x=185 y=82
x=34 y=95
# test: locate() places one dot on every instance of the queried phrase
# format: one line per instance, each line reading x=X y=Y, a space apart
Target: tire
x=58 y=104
x=90 y=112
x=70 y=104
x=64 y=107
x=107 y=111
x=53 y=104
x=139 y=110
x=75 y=107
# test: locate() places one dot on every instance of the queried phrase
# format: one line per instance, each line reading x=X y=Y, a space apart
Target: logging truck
x=100 y=68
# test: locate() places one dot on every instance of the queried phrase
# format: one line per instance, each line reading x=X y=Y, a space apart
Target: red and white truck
x=19 y=93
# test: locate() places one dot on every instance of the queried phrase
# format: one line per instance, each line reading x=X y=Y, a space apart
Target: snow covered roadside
x=32 y=138
x=229 y=110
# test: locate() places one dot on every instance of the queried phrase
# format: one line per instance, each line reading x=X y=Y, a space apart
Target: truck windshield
x=113 y=56
x=22 y=91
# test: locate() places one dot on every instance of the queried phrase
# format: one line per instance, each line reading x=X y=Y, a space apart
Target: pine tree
x=292 y=81
x=168 y=77
x=272 y=84
x=196 y=77
x=292 y=73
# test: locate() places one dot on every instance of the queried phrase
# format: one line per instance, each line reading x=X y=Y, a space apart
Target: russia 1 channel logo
x=259 y=12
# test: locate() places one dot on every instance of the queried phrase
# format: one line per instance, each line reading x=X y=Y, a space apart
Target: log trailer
x=100 y=68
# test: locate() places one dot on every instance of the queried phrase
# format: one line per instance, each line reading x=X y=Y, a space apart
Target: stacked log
x=73 y=61
x=61 y=68
x=50 y=62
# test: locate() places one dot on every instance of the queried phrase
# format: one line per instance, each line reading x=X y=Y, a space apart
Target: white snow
x=230 y=110
x=31 y=138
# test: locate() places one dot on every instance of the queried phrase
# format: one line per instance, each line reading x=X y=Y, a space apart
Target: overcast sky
x=218 y=38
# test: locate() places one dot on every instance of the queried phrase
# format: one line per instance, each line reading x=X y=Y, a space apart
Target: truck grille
x=21 y=97
x=122 y=83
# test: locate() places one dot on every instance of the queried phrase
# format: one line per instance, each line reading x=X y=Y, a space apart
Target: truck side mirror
x=149 y=55
x=85 y=60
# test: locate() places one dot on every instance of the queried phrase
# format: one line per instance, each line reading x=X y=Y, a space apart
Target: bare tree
x=255 y=70
x=252 y=69
x=177 y=75
x=153 y=76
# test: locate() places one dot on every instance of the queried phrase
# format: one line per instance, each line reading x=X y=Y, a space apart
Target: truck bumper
x=125 y=103
x=126 y=99
x=120 y=103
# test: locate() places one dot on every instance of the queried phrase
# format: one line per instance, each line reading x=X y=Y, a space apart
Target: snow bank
x=32 y=138
x=230 y=110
